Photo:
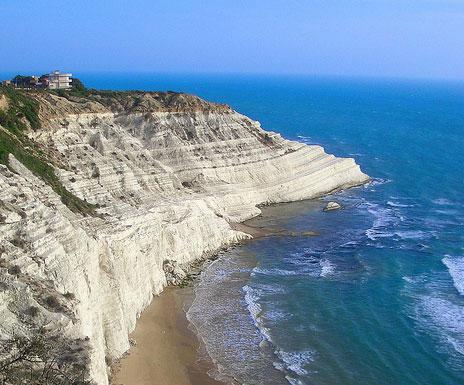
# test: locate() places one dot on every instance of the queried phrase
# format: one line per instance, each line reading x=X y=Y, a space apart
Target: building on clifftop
x=58 y=81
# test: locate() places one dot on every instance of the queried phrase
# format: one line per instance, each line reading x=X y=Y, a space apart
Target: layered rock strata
x=168 y=173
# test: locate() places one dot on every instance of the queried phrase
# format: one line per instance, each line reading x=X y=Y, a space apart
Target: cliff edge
x=102 y=190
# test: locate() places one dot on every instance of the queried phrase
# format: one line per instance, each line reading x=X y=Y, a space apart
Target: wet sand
x=166 y=351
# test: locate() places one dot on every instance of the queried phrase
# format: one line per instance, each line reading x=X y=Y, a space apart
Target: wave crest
x=455 y=267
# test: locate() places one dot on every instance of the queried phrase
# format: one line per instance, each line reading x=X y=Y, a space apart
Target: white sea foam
x=409 y=279
x=383 y=218
x=396 y=204
x=251 y=299
x=447 y=211
x=276 y=315
x=293 y=362
x=293 y=381
x=304 y=139
x=296 y=361
x=455 y=267
x=351 y=244
x=412 y=234
x=271 y=288
x=385 y=222
x=327 y=267
x=442 y=202
x=377 y=182
x=275 y=271
x=445 y=319
x=302 y=270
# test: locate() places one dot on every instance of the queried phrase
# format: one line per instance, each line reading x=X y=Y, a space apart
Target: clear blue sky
x=398 y=38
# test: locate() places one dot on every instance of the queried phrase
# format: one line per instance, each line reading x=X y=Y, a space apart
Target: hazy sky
x=400 y=38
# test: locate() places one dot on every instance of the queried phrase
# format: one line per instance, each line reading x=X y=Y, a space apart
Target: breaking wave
x=383 y=218
x=327 y=267
x=251 y=299
x=455 y=267
x=444 y=319
x=296 y=361
x=396 y=204
x=442 y=202
x=290 y=363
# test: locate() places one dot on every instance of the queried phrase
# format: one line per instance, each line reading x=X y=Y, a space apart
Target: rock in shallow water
x=332 y=206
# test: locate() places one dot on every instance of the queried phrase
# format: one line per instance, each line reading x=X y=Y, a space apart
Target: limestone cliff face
x=168 y=172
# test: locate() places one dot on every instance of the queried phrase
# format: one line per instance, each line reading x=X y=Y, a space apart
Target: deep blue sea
x=378 y=296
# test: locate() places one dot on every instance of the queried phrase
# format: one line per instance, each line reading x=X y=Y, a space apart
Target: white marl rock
x=168 y=184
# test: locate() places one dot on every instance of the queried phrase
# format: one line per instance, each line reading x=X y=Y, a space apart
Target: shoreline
x=166 y=350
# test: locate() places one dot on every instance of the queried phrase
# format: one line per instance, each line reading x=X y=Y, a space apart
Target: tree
x=22 y=81
x=77 y=85
x=43 y=359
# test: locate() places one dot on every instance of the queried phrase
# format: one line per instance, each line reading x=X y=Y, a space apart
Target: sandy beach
x=166 y=350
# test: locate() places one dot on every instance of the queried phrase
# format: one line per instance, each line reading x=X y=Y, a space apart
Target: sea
x=377 y=296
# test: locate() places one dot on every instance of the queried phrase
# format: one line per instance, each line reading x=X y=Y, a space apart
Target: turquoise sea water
x=378 y=296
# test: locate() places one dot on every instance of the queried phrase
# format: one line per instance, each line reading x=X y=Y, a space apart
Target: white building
x=57 y=80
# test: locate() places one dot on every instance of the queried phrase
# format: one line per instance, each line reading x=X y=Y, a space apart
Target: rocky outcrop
x=168 y=173
x=330 y=206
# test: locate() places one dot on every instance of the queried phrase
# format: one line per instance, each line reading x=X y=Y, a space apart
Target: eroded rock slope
x=168 y=173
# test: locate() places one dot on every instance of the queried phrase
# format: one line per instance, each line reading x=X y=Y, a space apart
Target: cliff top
x=146 y=101
x=25 y=110
x=53 y=104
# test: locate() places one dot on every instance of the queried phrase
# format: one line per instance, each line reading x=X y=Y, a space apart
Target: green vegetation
x=20 y=108
x=43 y=359
x=101 y=96
x=23 y=81
x=77 y=89
x=22 y=112
x=77 y=85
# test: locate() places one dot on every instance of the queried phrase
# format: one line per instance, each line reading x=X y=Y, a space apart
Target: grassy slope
x=22 y=113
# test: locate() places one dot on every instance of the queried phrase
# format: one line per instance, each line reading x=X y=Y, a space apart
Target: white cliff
x=169 y=172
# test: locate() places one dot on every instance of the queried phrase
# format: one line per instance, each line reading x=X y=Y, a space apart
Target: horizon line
x=244 y=74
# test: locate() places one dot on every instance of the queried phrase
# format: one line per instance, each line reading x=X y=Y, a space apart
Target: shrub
x=20 y=107
x=18 y=241
x=77 y=85
x=52 y=302
x=33 y=311
x=43 y=359
x=69 y=295
x=14 y=270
